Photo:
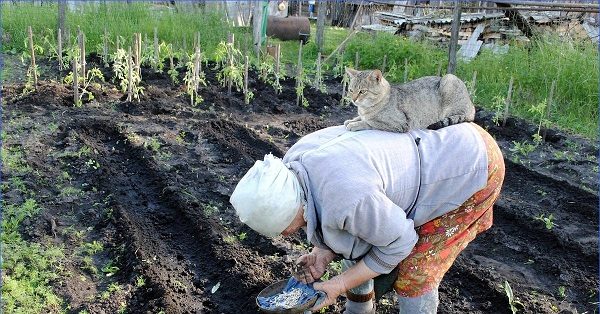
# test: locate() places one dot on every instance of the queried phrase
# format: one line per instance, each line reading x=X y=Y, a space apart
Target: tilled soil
x=153 y=179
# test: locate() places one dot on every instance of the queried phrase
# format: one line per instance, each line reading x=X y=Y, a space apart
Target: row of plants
x=127 y=56
x=533 y=66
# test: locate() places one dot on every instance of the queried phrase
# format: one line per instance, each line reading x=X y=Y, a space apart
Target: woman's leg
x=359 y=299
x=424 y=304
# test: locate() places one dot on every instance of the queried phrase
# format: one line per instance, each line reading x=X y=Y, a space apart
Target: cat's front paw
x=351 y=120
x=357 y=126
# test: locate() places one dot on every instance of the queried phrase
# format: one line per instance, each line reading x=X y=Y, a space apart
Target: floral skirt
x=442 y=239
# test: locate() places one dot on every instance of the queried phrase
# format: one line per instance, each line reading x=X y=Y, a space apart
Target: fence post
x=507 y=101
x=454 y=38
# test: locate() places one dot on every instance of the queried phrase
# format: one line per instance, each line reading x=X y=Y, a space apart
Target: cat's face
x=366 y=88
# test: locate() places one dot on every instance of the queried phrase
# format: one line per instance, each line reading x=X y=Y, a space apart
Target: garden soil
x=151 y=181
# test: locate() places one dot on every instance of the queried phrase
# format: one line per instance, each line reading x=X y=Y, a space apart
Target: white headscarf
x=268 y=197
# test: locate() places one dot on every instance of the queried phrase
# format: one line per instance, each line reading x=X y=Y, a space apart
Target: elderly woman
x=393 y=205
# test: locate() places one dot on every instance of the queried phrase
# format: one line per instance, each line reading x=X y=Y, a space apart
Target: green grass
x=28 y=268
x=533 y=66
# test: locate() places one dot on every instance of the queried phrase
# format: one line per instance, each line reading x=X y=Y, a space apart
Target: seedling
x=548 y=221
x=194 y=77
x=267 y=72
x=125 y=72
x=497 y=107
x=511 y=298
x=539 y=111
x=92 y=79
x=242 y=236
x=300 y=81
x=229 y=59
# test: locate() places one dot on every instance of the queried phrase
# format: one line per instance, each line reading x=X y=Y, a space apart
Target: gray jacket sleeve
x=378 y=221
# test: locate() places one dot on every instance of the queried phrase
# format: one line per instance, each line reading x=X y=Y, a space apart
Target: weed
x=109 y=269
x=541 y=192
x=152 y=144
x=497 y=107
x=140 y=281
x=548 y=221
x=91 y=248
x=122 y=308
x=88 y=265
x=511 y=298
x=211 y=208
x=242 y=236
x=92 y=164
x=180 y=138
x=562 y=292
x=230 y=239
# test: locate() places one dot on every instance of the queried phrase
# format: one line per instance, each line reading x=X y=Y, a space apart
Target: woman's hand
x=333 y=287
x=314 y=264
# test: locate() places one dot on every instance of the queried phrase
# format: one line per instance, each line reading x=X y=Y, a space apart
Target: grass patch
x=28 y=268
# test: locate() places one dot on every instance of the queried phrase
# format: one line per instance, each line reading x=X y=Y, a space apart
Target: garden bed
x=151 y=180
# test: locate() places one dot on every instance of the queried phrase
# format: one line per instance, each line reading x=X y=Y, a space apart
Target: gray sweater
x=366 y=191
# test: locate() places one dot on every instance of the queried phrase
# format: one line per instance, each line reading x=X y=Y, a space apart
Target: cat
x=431 y=102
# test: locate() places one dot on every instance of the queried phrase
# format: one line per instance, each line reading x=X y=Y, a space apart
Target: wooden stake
x=384 y=64
x=277 y=62
x=454 y=38
x=32 y=50
x=139 y=57
x=405 y=70
x=549 y=106
x=356 y=59
x=246 y=100
x=230 y=40
x=319 y=79
x=60 y=59
x=299 y=73
x=130 y=65
x=156 y=56
x=507 y=101
x=118 y=43
x=82 y=47
x=105 y=50
x=75 y=83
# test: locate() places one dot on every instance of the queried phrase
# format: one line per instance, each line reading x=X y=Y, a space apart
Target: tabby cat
x=429 y=102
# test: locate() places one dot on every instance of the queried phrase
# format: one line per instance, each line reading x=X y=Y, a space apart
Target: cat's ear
x=351 y=72
x=377 y=75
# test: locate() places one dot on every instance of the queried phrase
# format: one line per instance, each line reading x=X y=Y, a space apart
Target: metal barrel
x=288 y=28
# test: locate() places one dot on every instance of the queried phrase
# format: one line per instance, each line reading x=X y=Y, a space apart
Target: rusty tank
x=289 y=28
